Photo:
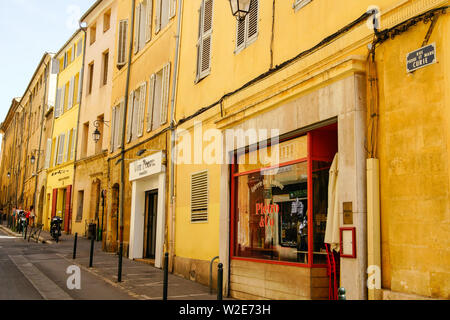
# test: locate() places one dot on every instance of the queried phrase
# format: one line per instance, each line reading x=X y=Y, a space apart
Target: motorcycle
x=22 y=222
x=55 y=228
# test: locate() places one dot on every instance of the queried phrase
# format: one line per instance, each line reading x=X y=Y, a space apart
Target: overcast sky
x=28 y=29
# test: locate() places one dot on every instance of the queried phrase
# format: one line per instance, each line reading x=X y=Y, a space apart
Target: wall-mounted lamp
x=97 y=134
x=240 y=8
x=33 y=158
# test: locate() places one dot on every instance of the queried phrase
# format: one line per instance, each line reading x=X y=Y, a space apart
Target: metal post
x=220 y=282
x=119 y=274
x=166 y=275
x=341 y=294
x=75 y=246
x=210 y=275
x=26 y=229
x=92 y=252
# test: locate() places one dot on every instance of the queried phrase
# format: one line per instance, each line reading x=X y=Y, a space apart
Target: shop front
x=148 y=208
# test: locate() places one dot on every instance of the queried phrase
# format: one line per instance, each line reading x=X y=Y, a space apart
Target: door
x=151 y=209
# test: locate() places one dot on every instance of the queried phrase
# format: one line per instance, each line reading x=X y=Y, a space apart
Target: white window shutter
x=79 y=47
x=199 y=197
x=142 y=92
x=158 y=16
x=61 y=149
x=55 y=151
x=113 y=129
x=130 y=116
x=48 y=153
x=173 y=8
x=71 y=89
x=66 y=148
x=205 y=39
x=72 y=58
x=122 y=45
x=57 y=102
x=119 y=124
x=165 y=93
x=142 y=24
x=253 y=17
x=63 y=99
x=240 y=34
x=80 y=85
x=74 y=143
x=137 y=19
x=136 y=104
x=148 y=20
x=55 y=66
x=151 y=101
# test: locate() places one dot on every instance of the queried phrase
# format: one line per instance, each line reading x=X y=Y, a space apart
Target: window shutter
x=71 y=89
x=55 y=151
x=65 y=60
x=119 y=124
x=48 y=153
x=113 y=130
x=142 y=24
x=253 y=20
x=122 y=45
x=240 y=37
x=148 y=20
x=205 y=39
x=165 y=93
x=63 y=99
x=130 y=116
x=73 y=53
x=173 y=8
x=158 y=16
x=79 y=47
x=61 y=148
x=199 y=197
x=74 y=143
x=151 y=101
x=55 y=66
x=137 y=21
x=80 y=85
x=66 y=148
x=142 y=92
x=58 y=101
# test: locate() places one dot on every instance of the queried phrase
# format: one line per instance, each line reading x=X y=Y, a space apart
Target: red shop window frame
x=234 y=175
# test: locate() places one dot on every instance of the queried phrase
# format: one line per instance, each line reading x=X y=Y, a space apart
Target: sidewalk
x=140 y=280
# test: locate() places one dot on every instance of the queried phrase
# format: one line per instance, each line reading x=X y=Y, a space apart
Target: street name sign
x=420 y=58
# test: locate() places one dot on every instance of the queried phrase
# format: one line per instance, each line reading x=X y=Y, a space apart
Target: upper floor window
x=116 y=126
x=298 y=4
x=135 y=116
x=165 y=10
x=143 y=24
x=158 y=100
x=92 y=34
x=122 y=43
x=107 y=21
x=247 y=29
x=204 y=39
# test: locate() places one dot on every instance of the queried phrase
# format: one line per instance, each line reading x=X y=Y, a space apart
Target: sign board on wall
x=147 y=166
x=420 y=58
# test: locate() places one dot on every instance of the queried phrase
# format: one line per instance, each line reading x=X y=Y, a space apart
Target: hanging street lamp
x=240 y=8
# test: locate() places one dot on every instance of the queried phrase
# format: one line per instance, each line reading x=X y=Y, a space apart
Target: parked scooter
x=55 y=228
x=22 y=221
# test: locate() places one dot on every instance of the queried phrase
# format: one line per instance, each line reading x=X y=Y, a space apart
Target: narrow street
x=38 y=271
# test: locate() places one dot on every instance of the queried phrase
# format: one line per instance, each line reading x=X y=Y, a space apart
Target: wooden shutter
x=158 y=16
x=71 y=89
x=140 y=122
x=172 y=8
x=148 y=20
x=57 y=103
x=55 y=151
x=74 y=143
x=130 y=116
x=61 y=148
x=151 y=102
x=199 y=197
x=80 y=85
x=205 y=39
x=66 y=148
x=253 y=21
x=72 y=57
x=119 y=124
x=55 y=66
x=48 y=153
x=113 y=129
x=122 y=45
x=142 y=24
x=165 y=93
x=63 y=100
x=79 y=47
x=137 y=22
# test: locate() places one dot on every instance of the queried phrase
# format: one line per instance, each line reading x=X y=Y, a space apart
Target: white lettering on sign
x=421 y=58
x=147 y=166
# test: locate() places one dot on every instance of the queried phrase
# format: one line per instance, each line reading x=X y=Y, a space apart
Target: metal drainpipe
x=122 y=152
x=40 y=138
x=172 y=143
x=80 y=83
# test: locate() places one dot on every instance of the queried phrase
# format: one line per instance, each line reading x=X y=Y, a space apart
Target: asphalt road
x=35 y=271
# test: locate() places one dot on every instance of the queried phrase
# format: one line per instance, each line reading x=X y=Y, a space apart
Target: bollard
x=166 y=275
x=220 y=282
x=26 y=230
x=75 y=246
x=119 y=273
x=92 y=252
x=341 y=294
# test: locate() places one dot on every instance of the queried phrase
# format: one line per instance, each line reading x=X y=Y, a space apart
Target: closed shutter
x=79 y=47
x=55 y=151
x=140 y=122
x=148 y=20
x=73 y=53
x=71 y=89
x=61 y=148
x=142 y=24
x=48 y=153
x=172 y=8
x=55 y=66
x=65 y=60
x=205 y=39
x=58 y=102
x=80 y=85
x=122 y=45
x=130 y=116
x=63 y=100
x=151 y=102
x=247 y=29
x=253 y=20
x=113 y=129
x=137 y=22
x=165 y=93
x=119 y=124
x=199 y=197
x=158 y=16
x=74 y=144
x=67 y=148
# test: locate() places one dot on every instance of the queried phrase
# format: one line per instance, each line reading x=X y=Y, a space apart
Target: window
x=74 y=142
x=80 y=199
x=136 y=108
x=70 y=103
x=158 y=98
x=122 y=45
x=60 y=157
x=105 y=64
x=65 y=101
x=55 y=151
x=143 y=24
x=298 y=4
x=84 y=145
x=107 y=21
x=90 y=77
x=79 y=47
x=76 y=89
x=92 y=34
x=165 y=10
x=204 y=39
x=247 y=29
x=280 y=213
x=116 y=126
x=65 y=61
x=199 y=197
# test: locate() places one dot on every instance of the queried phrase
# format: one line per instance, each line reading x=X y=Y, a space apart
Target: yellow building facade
x=61 y=169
